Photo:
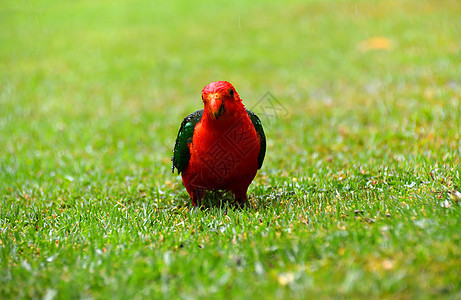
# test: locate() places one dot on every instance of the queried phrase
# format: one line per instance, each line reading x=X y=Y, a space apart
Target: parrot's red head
x=220 y=98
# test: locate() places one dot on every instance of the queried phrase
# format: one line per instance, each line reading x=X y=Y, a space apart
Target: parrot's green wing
x=259 y=129
x=181 y=153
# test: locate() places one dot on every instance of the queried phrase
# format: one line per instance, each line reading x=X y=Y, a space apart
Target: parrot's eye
x=231 y=92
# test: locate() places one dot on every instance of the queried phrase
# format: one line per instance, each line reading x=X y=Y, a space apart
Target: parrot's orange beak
x=216 y=105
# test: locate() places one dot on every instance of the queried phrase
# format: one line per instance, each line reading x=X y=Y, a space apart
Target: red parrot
x=220 y=147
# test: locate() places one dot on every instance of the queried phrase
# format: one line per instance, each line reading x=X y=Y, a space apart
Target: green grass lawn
x=359 y=192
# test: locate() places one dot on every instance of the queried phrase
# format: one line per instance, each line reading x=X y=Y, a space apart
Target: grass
x=358 y=195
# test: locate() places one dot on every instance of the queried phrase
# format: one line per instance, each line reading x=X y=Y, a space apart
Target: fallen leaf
x=375 y=43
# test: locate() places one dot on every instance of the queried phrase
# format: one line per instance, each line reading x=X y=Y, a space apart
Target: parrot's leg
x=241 y=199
x=196 y=197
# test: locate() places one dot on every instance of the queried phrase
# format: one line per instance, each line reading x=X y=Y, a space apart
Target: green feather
x=259 y=129
x=181 y=153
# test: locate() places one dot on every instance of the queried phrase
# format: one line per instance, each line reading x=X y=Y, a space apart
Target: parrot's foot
x=196 y=197
x=241 y=200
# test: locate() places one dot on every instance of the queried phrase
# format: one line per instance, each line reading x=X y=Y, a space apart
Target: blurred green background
x=80 y=77
x=92 y=94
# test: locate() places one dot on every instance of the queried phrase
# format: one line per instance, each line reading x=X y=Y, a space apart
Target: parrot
x=220 y=147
